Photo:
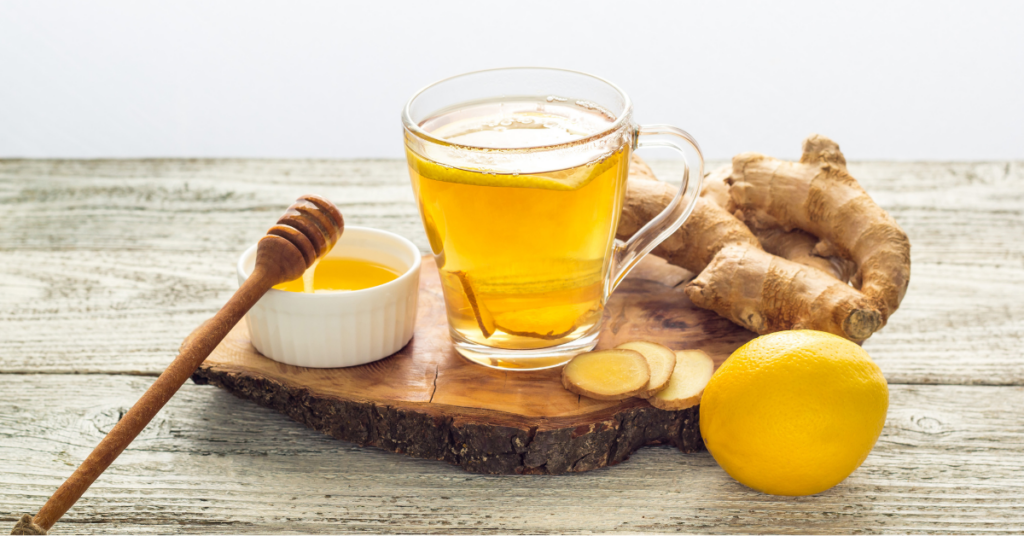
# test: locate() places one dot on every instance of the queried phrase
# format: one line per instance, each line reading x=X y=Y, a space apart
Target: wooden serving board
x=429 y=402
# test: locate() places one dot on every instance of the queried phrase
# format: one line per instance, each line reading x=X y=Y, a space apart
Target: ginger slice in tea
x=549 y=323
x=545 y=323
x=484 y=318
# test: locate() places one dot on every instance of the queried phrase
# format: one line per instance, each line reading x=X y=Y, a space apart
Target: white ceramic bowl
x=340 y=329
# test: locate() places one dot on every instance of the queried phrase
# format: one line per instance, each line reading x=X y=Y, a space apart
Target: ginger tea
x=523 y=256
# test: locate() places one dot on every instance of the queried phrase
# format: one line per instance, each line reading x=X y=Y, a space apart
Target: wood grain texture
x=949 y=460
x=105 y=266
x=429 y=402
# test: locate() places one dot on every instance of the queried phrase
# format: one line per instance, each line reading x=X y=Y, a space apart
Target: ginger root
x=607 y=375
x=819 y=196
x=661 y=361
x=692 y=373
x=742 y=282
x=763 y=292
x=795 y=245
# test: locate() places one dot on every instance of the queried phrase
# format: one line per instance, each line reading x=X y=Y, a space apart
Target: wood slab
x=429 y=402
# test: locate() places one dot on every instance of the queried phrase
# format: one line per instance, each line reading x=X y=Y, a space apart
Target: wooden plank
x=105 y=266
x=440 y=406
x=949 y=460
x=963 y=318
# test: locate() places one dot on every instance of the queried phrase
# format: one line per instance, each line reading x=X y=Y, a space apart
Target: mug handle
x=628 y=254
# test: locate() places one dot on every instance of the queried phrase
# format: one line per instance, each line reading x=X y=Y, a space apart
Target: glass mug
x=520 y=176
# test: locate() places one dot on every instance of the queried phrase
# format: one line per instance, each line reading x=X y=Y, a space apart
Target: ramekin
x=340 y=329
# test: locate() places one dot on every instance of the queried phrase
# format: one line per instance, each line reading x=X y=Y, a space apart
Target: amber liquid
x=523 y=258
x=340 y=274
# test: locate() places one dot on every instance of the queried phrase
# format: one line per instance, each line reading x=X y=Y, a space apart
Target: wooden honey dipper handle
x=306 y=232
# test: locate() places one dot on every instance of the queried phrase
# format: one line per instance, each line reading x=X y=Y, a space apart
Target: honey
x=341 y=274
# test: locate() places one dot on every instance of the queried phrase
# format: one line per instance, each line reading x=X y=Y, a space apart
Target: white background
x=887 y=80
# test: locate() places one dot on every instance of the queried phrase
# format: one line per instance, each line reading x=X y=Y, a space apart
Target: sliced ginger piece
x=484 y=318
x=607 y=375
x=661 y=360
x=550 y=323
x=692 y=373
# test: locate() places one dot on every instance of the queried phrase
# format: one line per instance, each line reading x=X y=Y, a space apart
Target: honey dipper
x=306 y=232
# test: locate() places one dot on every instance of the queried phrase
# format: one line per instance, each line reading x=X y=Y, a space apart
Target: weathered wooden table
x=106 y=265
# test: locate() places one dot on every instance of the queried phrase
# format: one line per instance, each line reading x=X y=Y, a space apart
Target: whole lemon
x=794 y=412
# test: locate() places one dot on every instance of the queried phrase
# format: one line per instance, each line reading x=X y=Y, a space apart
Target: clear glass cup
x=520 y=175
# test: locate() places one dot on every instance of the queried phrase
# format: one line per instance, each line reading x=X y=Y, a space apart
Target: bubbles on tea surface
x=595 y=107
x=518 y=124
x=489 y=136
